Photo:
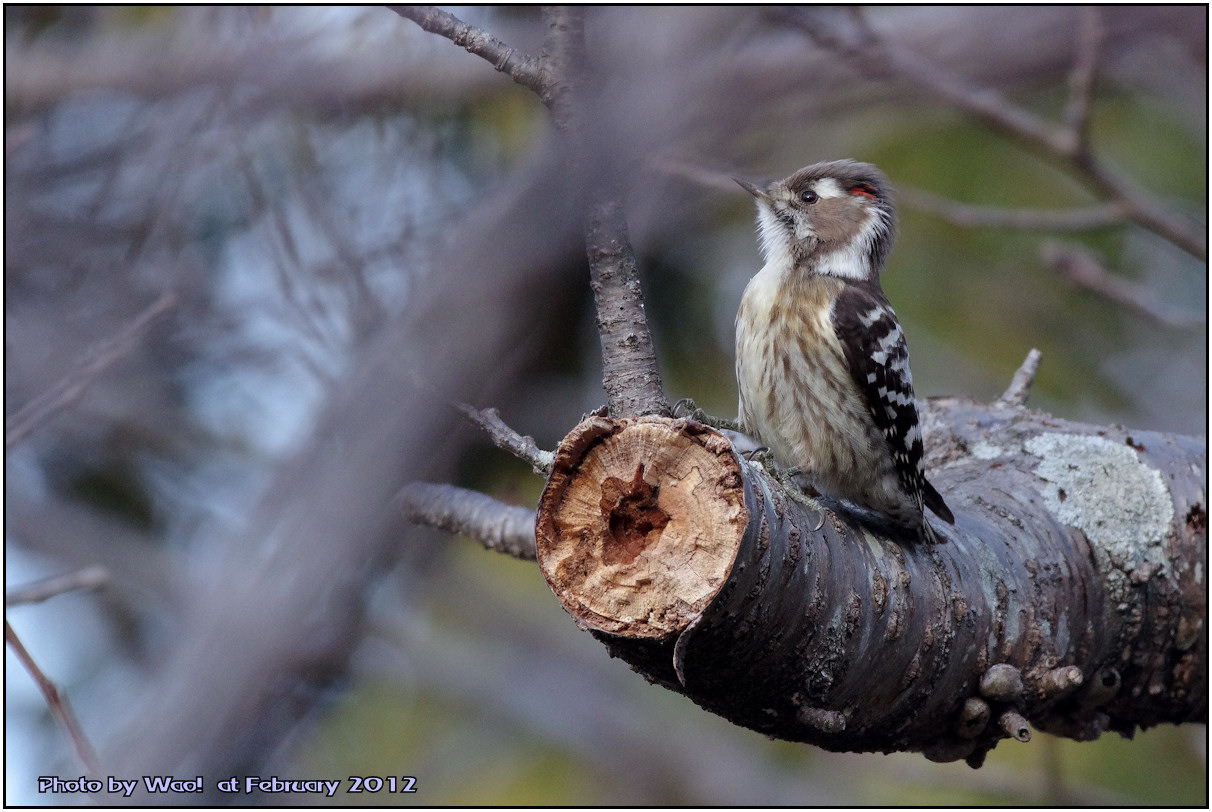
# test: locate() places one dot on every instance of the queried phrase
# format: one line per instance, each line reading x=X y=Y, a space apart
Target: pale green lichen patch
x=987 y=451
x=1106 y=491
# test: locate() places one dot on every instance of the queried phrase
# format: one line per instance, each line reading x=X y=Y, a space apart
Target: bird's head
x=834 y=218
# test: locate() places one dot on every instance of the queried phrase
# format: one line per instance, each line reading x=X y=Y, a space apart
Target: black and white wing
x=878 y=358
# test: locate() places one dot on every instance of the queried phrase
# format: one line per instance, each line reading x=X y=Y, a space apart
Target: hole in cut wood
x=640 y=523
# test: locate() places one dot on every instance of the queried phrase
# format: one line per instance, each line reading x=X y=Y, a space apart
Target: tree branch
x=1081 y=78
x=560 y=77
x=970 y=216
x=1020 y=385
x=1079 y=267
x=504 y=437
x=494 y=524
x=629 y=367
x=661 y=540
x=47 y=588
x=72 y=386
x=58 y=704
x=698 y=570
x=630 y=374
x=36 y=592
x=1068 y=145
x=523 y=68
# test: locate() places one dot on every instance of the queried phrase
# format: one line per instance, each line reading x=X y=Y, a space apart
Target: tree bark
x=1069 y=594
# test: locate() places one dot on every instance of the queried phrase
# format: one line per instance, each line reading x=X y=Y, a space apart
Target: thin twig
x=523 y=68
x=47 y=588
x=504 y=528
x=1020 y=385
x=57 y=703
x=71 y=387
x=1081 y=268
x=972 y=216
x=1082 y=76
x=521 y=446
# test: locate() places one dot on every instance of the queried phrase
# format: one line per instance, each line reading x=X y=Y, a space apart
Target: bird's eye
x=809 y=196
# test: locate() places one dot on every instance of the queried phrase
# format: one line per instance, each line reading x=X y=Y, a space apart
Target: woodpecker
x=821 y=361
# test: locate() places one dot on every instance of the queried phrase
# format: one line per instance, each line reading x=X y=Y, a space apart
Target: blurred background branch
x=361 y=224
x=1068 y=144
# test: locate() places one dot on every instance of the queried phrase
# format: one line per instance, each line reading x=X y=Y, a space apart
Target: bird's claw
x=686 y=408
x=765 y=457
x=787 y=480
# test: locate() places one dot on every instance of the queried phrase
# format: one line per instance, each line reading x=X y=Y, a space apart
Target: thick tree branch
x=1065 y=596
x=1049 y=603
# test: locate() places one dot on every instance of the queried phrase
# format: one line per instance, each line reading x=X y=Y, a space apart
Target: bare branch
x=1081 y=79
x=629 y=367
x=57 y=703
x=505 y=528
x=1081 y=268
x=872 y=53
x=47 y=588
x=564 y=71
x=877 y=56
x=504 y=437
x=72 y=386
x=1146 y=210
x=972 y=216
x=1020 y=385
x=630 y=376
x=523 y=68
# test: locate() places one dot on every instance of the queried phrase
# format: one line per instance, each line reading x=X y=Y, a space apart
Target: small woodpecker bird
x=821 y=360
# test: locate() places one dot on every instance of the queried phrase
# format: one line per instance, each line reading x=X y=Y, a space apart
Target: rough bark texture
x=1069 y=593
x=629 y=370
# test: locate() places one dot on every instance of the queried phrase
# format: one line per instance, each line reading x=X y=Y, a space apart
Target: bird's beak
x=753 y=190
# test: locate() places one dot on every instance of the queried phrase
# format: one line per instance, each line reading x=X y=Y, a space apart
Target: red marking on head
x=865 y=189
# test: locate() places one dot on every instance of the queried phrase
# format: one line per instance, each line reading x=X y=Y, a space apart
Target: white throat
x=849 y=261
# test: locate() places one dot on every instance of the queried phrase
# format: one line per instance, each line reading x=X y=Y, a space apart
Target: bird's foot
x=687 y=408
x=787 y=480
x=765 y=458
